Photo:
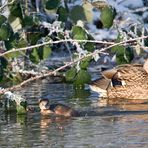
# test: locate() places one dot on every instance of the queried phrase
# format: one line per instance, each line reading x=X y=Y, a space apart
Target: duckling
x=128 y=81
x=57 y=109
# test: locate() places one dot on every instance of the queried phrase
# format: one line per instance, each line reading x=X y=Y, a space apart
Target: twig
x=5 y=4
x=67 y=65
x=54 y=42
x=142 y=9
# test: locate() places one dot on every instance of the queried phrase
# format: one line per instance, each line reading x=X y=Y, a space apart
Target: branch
x=54 y=42
x=5 y=4
x=142 y=9
x=68 y=64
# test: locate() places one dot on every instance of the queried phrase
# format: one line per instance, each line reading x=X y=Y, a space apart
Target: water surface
x=110 y=127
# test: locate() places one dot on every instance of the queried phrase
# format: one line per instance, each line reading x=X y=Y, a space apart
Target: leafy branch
x=103 y=50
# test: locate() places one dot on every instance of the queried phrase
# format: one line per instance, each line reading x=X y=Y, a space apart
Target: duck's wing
x=108 y=74
x=100 y=86
x=102 y=83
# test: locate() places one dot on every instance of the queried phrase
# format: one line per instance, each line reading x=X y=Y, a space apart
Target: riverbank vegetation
x=32 y=30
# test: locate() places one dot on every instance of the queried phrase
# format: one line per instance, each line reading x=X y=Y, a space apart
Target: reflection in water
x=93 y=131
x=122 y=104
x=106 y=129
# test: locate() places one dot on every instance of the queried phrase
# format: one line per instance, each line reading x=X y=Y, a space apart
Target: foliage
x=55 y=21
x=124 y=54
x=107 y=16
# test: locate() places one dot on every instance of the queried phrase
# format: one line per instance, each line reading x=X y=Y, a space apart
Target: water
x=110 y=127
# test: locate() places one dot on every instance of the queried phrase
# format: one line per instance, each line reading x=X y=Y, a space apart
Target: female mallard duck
x=57 y=109
x=128 y=82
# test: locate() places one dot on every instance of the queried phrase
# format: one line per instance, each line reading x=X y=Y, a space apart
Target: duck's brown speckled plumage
x=131 y=74
x=129 y=81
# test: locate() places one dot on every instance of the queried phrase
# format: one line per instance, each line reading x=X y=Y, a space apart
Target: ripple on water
x=110 y=129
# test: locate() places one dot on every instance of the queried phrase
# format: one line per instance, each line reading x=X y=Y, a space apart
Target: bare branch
x=54 y=42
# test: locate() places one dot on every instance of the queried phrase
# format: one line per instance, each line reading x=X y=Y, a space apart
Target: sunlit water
x=108 y=128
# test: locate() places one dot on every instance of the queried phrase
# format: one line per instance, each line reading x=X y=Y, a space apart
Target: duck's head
x=44 y=104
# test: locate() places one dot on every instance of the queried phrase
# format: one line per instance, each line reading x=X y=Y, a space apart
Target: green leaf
x=33 y=37
x=20 y=109
x=118 y=49
x=5 y=31
x=13 y=54
x=85 y=63
x=3 y=62
x=1 y=73
x=15 y=10
x=34 y=56
x=79 y=33
x=77 y=13
x=82 y=78
x=129 y=54
x=21 y=43
x=46 y=52
x=52 y=4
x=70 y=74
x=27 y=21
x=21 y=119
x=3 y=19
x=107 y=16
x=89 y=46
x=123 y=55
x=63 y=14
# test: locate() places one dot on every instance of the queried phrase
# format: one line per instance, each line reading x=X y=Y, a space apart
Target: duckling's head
x=44 y=104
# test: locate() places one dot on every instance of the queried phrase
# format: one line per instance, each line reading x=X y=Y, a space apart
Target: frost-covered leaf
x=138 y=49
x=87 y=6
x=96 y=57
x=15 y=102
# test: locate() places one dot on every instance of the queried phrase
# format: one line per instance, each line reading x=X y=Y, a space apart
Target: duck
x=56 y=109
x=127 y=83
